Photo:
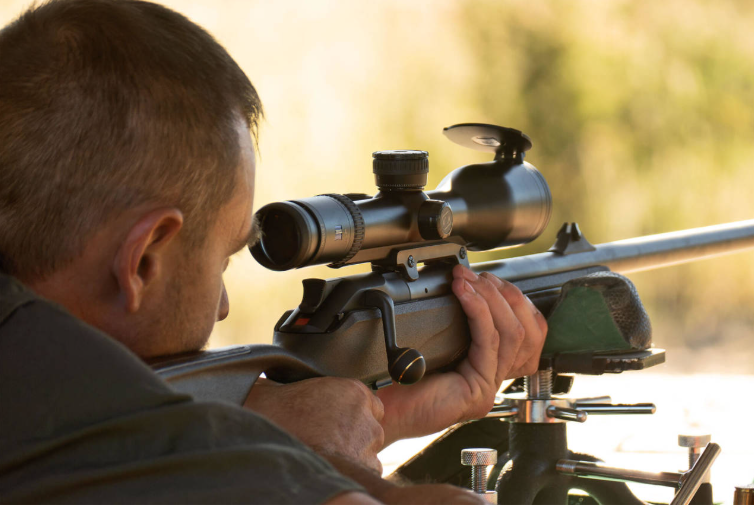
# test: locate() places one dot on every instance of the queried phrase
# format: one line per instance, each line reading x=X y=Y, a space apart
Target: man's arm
x=332 y=415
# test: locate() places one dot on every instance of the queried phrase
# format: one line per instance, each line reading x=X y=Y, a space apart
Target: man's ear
x=142 y=256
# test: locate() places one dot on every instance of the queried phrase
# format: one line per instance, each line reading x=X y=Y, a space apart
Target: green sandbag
x=597 y=313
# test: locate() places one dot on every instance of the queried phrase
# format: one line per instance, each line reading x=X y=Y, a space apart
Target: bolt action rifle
x=400 y=321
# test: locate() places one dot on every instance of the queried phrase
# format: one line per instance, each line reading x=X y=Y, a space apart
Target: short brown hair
x=105 y=105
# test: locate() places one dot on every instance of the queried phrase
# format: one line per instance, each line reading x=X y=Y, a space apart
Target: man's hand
x=331 y=415
x=342 y=416
x=507 y=335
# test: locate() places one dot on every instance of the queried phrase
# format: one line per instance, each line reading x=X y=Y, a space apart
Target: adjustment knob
x=479 y=460
x=435 y=220
x=478 y=457
x=694 y=442
x=400 y=170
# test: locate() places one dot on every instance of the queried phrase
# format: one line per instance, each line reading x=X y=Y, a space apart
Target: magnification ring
x=358 y=228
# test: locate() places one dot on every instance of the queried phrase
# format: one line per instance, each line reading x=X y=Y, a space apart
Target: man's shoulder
x=81 y=408
x=57 y=373
x=13 y=295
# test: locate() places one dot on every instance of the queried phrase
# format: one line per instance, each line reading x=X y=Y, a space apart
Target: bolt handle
x=406 y=365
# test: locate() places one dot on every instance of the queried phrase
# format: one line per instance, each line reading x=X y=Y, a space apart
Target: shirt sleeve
x=84 y=421
x=188 y=453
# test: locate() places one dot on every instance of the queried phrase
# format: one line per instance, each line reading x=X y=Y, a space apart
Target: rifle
x=400 y=321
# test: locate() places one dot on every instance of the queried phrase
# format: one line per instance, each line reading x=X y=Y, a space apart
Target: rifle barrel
x=632 y=255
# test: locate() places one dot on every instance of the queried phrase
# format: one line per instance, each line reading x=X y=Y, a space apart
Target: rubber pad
x=595 y=313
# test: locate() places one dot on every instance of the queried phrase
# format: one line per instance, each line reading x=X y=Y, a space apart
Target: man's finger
x=481 y=325
x=511 y=331
x=526 y=314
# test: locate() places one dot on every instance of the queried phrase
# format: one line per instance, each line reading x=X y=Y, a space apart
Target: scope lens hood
x=309 y=231
x=289 y=236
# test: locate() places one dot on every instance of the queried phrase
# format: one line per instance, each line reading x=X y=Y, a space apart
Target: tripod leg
x=557 y=493
x=530 y=478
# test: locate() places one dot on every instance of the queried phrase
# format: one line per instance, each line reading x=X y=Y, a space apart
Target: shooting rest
x=536 y=465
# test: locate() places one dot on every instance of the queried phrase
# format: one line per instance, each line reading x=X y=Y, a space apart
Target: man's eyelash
x=256 y=232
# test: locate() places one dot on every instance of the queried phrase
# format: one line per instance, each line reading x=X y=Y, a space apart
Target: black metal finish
x=502 y=203
x=529 y=477
x=592 y=363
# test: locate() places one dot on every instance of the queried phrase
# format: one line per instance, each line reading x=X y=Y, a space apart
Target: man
x=126 y=183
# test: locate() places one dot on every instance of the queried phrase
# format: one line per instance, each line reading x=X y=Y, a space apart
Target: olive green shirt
x=83 y=420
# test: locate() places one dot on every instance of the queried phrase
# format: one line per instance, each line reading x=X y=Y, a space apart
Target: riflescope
x=502 y=203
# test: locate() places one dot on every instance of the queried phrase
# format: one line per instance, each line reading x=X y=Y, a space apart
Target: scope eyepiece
x=311 y=231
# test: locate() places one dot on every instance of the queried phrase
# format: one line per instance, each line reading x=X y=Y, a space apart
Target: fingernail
x=494 y=279
x=468 y=286
x=469 y=274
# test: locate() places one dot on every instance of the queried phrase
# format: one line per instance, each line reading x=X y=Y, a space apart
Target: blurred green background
x=640 y=112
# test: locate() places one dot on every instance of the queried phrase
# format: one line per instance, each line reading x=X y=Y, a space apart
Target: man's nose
x=224 y=308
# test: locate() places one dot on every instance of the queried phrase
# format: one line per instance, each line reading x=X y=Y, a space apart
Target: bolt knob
x=478 y=457
x=400 y=170
x=435 y=220
x=406 y=365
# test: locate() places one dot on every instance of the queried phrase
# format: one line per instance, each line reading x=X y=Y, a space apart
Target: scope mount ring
x=506 y=143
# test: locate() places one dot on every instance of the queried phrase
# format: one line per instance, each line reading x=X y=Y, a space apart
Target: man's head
x=126 y=166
